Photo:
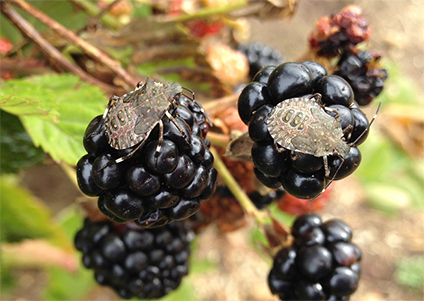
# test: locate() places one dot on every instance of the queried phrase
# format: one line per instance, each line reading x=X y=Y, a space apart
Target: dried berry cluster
x=340 y=32
x=339 y=36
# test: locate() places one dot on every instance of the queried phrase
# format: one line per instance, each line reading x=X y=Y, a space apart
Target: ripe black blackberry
x=321 y=264
x=151 y=188
x=364 y=74
x=301 y=175
x=258 y=199
x=136 y=262
x=261 y=201
x=259 y=56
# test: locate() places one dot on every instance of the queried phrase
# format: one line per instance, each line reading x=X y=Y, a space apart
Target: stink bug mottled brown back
x=301 y=124
x=130 y=119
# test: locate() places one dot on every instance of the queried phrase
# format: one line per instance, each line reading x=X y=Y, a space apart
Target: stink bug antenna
x=340 y=166
x=193 y=98
x=369 y=125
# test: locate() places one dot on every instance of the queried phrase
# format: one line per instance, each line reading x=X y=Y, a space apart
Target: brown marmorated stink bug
x=130 y=119
x=301 y=125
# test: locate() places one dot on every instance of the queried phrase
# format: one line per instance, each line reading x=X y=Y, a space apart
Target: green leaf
x=62 y=284
x=24 y=216
x=398 y=88
x=410 y=272
x=16 y=147
x=66 y=286
x=55 y=110
x=386 y=197
x=7 y=281
x=68 y=17
x=390 y=177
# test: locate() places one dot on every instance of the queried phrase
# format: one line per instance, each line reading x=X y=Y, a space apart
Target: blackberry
x=321 y=264
x=261 y=201
x=364 y=74
x=136 y=262
x=259 y=56
x=152 y=187
x=281 y=154
x=339 y=33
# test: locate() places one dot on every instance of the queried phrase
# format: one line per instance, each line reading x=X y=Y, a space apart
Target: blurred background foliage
x=44 y=115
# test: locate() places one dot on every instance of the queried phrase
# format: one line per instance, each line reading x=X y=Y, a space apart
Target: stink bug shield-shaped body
x=301 y=124
x=130 y=119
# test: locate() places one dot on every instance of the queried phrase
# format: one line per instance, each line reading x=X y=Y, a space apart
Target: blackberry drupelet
x=136 y=262
x=151 y=188
x=364 y=74
x=302 y=174
x=259 y=56
x=321 y=264
x=261 y=201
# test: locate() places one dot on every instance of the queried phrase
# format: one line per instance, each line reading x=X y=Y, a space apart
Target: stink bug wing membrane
x=150 y=106
x=143 y=124
x=304 y=144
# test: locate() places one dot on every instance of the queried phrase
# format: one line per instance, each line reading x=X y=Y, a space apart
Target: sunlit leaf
x=55 y=110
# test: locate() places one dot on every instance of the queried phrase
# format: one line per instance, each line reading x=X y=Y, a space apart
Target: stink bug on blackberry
x=302 y=125
x=130 y=119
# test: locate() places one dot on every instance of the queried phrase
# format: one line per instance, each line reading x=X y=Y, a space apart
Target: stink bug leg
x=341 y=157
x=193 y=99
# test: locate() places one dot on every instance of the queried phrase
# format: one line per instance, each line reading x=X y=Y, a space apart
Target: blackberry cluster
x=362 y=71
x=150 y=189
x=136 y=262
x=340 y=32
x=322 y=263
x=302 y=175
x=259 y=56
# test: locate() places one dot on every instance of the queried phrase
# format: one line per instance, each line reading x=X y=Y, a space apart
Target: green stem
x=218 y=139
x=210 y=11
x=237 y=191
x=91 y=9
